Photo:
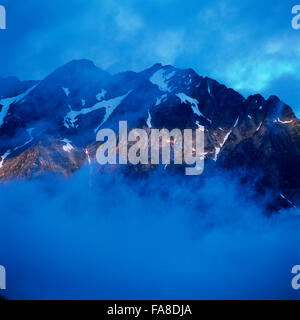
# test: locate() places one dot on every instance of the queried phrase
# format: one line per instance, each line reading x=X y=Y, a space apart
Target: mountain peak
x=80 y=63
x=79 y=66
x=79 y=98
x=82 y=70
x=156 y=66
x=159 y=66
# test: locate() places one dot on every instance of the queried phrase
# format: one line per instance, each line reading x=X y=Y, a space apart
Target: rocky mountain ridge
x=51 y=125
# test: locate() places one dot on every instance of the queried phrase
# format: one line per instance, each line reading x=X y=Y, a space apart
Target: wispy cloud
x=128 y=22
x=163 y=47
x=246 y=45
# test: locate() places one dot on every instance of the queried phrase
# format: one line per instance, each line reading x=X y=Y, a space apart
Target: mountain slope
x=50 y=126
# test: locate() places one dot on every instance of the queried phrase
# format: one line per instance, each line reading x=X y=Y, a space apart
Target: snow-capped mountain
x=51 y=125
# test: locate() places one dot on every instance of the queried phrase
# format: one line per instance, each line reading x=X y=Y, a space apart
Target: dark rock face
x=11 y=87
x=51 y=125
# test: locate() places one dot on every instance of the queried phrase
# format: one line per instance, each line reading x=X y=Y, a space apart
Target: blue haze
x=160 y=238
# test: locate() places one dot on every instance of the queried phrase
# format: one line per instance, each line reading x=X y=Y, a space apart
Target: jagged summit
x=76 y=69
x=156 y=66
x=51 y=125
x=81 y=62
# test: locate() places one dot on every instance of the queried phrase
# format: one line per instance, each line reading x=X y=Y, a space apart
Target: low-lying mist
x=161 y=237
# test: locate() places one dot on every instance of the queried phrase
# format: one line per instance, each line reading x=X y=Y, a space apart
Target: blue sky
x=247 y=45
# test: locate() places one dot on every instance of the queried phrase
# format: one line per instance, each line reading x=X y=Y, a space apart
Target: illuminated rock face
x=51 y=125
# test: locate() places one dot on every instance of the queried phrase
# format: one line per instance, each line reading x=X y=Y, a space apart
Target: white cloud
x=165 y=47
x=128 y=22
x=257 y=68
x=253 y=74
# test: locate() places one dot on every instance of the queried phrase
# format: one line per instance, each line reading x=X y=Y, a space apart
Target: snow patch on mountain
x=5 y=107
x=199 y=125
x=208 y=89
x=88 y=156
x=161 y=79
x=290 y=202
x=149 y=119
x=194 y=104
x=161 y=99
x=101 y=95
x=7 y=102
x=258 y=128
x=66 y=91
x=226 y=138
x=284 y=122
x=6 y=154
x=217 y=151
x=29 y=131
x=110 y=105
x=236 y=122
